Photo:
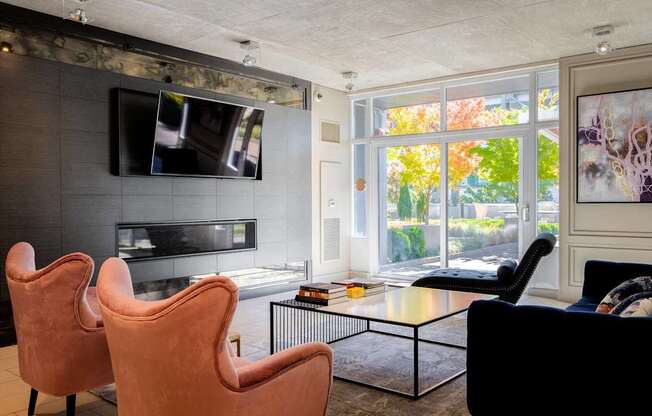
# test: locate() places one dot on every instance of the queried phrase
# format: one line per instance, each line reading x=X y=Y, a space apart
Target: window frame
x=528 y=151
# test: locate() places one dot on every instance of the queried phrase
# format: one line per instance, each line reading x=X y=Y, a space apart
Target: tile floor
x=252 y=322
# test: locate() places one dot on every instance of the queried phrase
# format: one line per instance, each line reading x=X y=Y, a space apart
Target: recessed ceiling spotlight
x=250 y=46
x=603 y=47
x=78 y=14
x=6 y=47
x=603 y=34
x=249 y=60
x=350 y=75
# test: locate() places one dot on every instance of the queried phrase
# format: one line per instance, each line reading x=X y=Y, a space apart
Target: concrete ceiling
x=385 y=41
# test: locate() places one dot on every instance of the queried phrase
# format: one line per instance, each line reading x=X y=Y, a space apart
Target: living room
x=325 y=208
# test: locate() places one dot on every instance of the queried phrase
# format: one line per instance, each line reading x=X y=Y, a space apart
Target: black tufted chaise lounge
x=508 y=282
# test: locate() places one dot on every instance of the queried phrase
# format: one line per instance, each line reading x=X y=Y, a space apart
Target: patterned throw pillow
x=620 y=308
x=639 y=308
x=624 y=291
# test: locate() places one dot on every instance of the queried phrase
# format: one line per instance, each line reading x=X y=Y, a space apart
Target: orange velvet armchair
x=62 y=348
x=171 y=357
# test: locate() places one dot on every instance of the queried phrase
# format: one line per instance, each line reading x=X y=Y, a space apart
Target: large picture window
x=465 y=174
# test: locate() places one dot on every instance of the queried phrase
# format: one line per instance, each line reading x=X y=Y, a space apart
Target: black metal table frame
x=320 y=331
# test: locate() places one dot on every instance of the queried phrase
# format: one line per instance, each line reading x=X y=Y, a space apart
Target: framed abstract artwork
x=614 y=147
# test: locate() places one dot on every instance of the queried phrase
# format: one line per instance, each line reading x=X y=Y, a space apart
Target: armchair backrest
x=540 y=247
x=601 y=276
x=52 y=317
x=170 y=356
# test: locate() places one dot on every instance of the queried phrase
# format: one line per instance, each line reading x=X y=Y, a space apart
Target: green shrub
x=417 y=242
x=404 y=203
x=545 y=227
x=401 y=246
x=475 y=233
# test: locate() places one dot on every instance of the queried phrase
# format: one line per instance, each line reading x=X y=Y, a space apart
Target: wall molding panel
x=618 y=232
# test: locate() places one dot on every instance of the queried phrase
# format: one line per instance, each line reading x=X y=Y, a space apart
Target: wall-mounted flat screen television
x=201 y=137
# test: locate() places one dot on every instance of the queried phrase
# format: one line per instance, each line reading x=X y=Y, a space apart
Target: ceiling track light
x=603 y=34
x=250 y=46
x=603 y=48
x=349 y=75
x=78 y=14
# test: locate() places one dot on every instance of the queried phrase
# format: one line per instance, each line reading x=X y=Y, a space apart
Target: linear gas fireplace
x=145 y=241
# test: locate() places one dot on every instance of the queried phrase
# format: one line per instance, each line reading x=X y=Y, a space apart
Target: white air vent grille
x=331 y=243
x=330 y=132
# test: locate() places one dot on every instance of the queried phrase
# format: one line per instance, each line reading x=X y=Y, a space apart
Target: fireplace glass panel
x=146 y=241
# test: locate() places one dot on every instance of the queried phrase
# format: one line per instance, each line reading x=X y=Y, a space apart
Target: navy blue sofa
x=531 y=360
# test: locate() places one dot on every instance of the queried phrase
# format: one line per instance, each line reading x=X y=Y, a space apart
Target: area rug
x=387 y=361
x=107 y=393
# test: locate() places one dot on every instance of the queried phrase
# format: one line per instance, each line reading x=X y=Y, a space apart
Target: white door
x=332 y=210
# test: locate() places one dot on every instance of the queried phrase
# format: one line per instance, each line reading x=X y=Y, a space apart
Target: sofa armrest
x=520 y=355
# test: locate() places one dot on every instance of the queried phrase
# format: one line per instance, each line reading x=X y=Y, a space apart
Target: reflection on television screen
x=200 y=137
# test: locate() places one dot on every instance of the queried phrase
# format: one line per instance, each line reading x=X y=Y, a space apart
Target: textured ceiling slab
x=386 y=41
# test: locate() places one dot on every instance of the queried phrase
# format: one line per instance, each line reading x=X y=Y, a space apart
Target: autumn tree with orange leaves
x=419 y=166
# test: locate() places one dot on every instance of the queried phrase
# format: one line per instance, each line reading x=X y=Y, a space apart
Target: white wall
x=333 y=107
x=619 y=232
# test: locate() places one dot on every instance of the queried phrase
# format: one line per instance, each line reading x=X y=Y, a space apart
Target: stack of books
x=370 y=286
x=321 y=294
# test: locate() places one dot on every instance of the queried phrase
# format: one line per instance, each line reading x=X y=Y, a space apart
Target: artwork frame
x=624 y=184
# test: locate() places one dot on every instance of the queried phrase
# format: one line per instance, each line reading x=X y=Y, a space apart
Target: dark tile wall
x=57 y=192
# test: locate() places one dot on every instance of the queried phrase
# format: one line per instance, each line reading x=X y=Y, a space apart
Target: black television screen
x=201 y=137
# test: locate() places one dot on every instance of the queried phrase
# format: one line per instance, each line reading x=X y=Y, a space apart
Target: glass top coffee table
x=293 y=323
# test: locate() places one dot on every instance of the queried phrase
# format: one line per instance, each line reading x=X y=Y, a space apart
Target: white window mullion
x=443 y=205
x=369 y=117
x=443 y=183
x=374 y=213
x=528 y=173
x=443 y=102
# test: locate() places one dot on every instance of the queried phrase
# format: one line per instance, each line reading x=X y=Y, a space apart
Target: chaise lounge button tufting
x=509 y=281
